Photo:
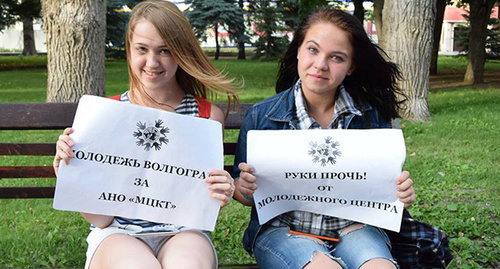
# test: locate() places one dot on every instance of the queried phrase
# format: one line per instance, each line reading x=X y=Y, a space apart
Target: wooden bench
x=57 y=116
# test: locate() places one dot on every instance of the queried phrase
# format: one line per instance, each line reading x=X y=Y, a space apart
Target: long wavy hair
x=374 y=78
x=196 y=74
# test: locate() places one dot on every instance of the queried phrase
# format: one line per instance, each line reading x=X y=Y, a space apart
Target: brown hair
x=373 y=80
x=196 y=74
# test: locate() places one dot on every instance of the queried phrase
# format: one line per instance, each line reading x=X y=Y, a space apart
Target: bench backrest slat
x=52 y=116
x=49 y=149
x=29 y=149
x=43 y=171
x=36 y=116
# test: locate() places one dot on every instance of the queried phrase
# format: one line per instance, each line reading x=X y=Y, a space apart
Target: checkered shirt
x=307 y=222
x=419 y=245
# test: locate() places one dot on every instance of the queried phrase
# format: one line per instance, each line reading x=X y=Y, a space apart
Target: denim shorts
x=275 y=247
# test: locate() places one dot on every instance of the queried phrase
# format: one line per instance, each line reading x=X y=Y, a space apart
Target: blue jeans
x=275 y=247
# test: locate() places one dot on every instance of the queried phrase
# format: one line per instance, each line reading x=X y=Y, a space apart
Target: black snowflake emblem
x=151 y=136
x=326 y=152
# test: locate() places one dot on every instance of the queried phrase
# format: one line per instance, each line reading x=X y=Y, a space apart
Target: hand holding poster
x=139 y=162
x=343 y=173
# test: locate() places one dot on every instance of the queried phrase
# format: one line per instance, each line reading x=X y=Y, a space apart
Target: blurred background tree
x=25 y=11
x=212 y=14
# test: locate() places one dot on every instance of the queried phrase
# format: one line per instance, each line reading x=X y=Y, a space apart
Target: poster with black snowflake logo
x=349 y=174
x=142 y=163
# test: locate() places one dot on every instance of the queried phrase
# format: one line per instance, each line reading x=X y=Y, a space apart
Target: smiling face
x=150 y=60
x=325 y=57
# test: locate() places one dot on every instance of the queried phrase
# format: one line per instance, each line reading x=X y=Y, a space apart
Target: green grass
x=257 y=78
x=31 y=85
x=453 y=159
x=22 y=62
x=460 y=63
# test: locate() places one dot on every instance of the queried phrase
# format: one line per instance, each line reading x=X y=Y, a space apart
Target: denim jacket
x=276 y=113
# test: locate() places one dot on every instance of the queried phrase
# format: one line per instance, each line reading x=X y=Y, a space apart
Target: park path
x=453 y=79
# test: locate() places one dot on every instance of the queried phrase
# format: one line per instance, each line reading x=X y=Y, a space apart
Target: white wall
x=12 y=38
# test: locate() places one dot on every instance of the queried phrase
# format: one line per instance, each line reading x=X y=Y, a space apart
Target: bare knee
x=188 y=249
x=320 y=260
x=123 y=251
x=378 y=263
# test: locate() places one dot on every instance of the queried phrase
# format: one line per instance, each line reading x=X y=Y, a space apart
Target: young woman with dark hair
x=331 y=77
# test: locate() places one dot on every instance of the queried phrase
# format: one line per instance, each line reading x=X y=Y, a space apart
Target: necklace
x=159 y=103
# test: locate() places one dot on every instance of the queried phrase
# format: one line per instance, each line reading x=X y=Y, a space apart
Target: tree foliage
x=12 y=11
x=274 y=18
x=25 y=11
x=116 y=23
x=204 y=14
x=492 y=37
x=270 y=28
x=6 y=17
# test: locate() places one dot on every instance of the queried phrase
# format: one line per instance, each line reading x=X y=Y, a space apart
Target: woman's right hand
x=64 y=149
x=245 y=186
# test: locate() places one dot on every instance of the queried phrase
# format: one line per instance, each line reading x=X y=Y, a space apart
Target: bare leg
x=320 y=260
x=123 y=251
x=189 y=249
x=378 y=263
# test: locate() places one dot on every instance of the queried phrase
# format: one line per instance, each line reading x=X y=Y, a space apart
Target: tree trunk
x=241 y=43
x=241 y=50
x=409 y=45
x=479 y=12
x=378 y=7
x=438 y=26
x=359 y=10
x=29 y=47
x=217 y=47
x=76 y=31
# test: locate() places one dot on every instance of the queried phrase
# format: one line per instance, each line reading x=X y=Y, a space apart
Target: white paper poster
x=140 y=162
x=349 y=174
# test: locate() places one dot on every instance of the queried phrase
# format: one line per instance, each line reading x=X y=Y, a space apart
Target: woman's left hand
x=404 y=187
x=221 y=185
